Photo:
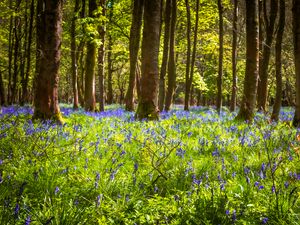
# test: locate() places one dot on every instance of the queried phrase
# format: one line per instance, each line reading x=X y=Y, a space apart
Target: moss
x=147 y=110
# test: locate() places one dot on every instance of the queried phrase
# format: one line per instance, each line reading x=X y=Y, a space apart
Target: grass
x=187 y=168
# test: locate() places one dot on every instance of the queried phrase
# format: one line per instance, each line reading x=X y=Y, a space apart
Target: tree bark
x=221 y=52
x=74 y=54
x=10 y=55
x=262 y=93
x=134 y=44
x=163 y=69
x=234 y=57
x=2 y=91
x=252 y=56
x=89 y=93
x=188 y=59
x=278 y=50
x=101 y=57
x=147 y=107
x=171 y=63
x=296 y=33
x=49 y=29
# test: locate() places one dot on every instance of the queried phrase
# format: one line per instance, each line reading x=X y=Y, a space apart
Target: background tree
x=49 y=19
x=252 y=51
x=165 y=59
x=269 y=22
x=134 y=44
x=89 y=94
x=171 y=62
x=234 y=56
x=221 y=52
x=147 y=107
x=296 y=32
x=278 y=61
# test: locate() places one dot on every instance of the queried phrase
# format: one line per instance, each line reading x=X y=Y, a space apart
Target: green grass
x=187 y=168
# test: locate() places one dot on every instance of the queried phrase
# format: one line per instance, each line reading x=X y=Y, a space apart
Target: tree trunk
x=252 y=55
x=101 y=56
x=296 y=33
x=188 y=60
x=147 y=108
x=220 y=71
x=49 y=29
x=89 y=93
x=163 y=69
x=278 y=50
x=10 y=55
x=2 y=91
x=74 y=55
x=262 y=92
x=134 y=44
x=25 y=94
x=171 y=63
x=234 y=57
x=109 y=64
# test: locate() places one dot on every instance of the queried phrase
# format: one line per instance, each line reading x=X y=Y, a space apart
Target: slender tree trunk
x=252 y=56
x=234 y=57
x=262 y=93
x=89 y=93
x=134 y=44
x=10 y=55
x=220 y=72
x=2 y=91
x=109 y=71
x=16 y=62
x=191 y=77
x=49 y=29
x=147 y=108
x=171 y=63
x=74 y=55
x=278 y=50
x=138 y=81
x=296 y=32
x=25 y=94
x=163 y=69
x=188 y=60
x=101 y=56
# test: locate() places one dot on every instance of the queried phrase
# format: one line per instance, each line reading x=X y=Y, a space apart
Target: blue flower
x=17 y=209
x=264 y=220
x=28 y=220
x=56 y=190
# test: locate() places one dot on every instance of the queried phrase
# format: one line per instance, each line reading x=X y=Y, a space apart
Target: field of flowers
x=187 y=168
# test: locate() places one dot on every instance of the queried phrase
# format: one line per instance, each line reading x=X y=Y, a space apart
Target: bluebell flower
x=286 y=184
x=227 y=212
x=28 y=220
x=273 y=189
x=17 y=209
x=264 y=220
x=56 y=190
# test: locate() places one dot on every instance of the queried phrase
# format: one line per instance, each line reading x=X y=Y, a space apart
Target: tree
x=221 y=52
x=147 y=107
x=134 y=44
x=234 y=56
x=278 y=50
x=264 y=65
x=252 y=55
x=74 y=55
x=49 y=29
x=89 y=93
x=101 y=55
x=109 y=61
x=188 y=59
x=171 y=63
x=296 y=35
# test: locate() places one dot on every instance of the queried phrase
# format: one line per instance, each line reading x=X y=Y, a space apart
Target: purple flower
x=17 y=209
x=227 y=212
x=248 y=180
x=286 y=184
x=234 y=215
x=264 y=220
x=261 y=187
x=28 y=220
x=256 y=183
x=56 y=190
x=273 y=189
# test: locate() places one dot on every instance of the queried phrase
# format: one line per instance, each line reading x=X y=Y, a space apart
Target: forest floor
x=187 y=168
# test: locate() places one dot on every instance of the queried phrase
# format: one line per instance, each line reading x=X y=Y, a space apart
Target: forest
x=149 y=112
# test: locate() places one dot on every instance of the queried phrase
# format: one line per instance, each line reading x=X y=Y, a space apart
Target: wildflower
x=273 y=189
x=227 y=212
x=17 y=209
x=286 y=184
x=261 y=187
x=97 y=176
x=28 y=220
x=98 y=200
x=234 y=215
x=56 y=190
x=233 y=174
x=155 y=189
x=256 y=183
x=264 y=220
x=248 y=180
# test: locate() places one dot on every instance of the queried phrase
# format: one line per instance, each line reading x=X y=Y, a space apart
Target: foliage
x=188 y=168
